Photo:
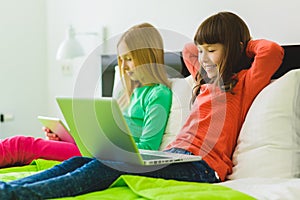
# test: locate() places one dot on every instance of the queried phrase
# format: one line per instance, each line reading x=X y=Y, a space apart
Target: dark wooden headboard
x=176 y=67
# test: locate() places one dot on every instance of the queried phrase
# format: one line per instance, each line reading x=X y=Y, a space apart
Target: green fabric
x=136 y=187
x=13 y=173
x=156 y=188
x=147 y=115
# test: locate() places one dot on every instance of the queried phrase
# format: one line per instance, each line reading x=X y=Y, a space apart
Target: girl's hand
x=50 y=135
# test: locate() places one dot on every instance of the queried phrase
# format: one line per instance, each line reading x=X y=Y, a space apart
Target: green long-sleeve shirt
x=147 y=115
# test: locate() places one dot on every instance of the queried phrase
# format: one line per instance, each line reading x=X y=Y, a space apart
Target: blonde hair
x=145 y=45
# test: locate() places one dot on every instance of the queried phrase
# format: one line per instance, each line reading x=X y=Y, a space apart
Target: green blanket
x=13 y=173
x=136 y=187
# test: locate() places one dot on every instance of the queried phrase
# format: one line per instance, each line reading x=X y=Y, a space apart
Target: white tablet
x=57 y=127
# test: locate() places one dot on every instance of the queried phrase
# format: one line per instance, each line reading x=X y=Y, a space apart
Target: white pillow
x=269 y=141
x=181 y=97
x=182 y=93
x=118 y=86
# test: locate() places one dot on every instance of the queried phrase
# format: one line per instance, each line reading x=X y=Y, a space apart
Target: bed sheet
x=267 y=188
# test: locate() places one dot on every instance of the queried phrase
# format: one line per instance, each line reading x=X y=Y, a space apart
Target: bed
x=267 y=156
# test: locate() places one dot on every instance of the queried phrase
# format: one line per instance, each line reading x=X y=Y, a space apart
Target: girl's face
x=126 y=59
x=210 y=57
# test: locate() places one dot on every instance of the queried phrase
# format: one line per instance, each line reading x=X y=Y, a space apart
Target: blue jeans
x=80 y=175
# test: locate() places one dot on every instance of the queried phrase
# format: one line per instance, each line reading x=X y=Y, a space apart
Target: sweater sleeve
x=267 y=58
x=190 y=58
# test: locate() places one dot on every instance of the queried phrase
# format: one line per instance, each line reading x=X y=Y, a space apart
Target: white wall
x=23 y=63
x=23 y=66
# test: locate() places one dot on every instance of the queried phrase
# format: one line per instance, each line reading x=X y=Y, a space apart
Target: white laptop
x=100 y=131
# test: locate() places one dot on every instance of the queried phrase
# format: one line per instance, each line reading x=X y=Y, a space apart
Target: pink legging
x=21 y=150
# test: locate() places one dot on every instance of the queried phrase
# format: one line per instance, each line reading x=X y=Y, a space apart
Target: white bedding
x=267 y=188
x=267 y=157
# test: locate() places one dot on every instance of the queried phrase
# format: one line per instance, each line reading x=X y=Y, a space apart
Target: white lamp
x=70 y=48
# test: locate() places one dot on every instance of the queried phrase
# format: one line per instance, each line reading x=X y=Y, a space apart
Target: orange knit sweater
x=216 y=117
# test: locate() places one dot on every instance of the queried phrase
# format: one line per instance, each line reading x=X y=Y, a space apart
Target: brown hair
x=230 y=30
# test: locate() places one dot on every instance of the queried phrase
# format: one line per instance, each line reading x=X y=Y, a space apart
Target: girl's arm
x=190 y=57
x=157 y=109
x=268 y=57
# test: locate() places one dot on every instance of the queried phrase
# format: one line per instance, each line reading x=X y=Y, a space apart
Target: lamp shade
x=70 y=48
